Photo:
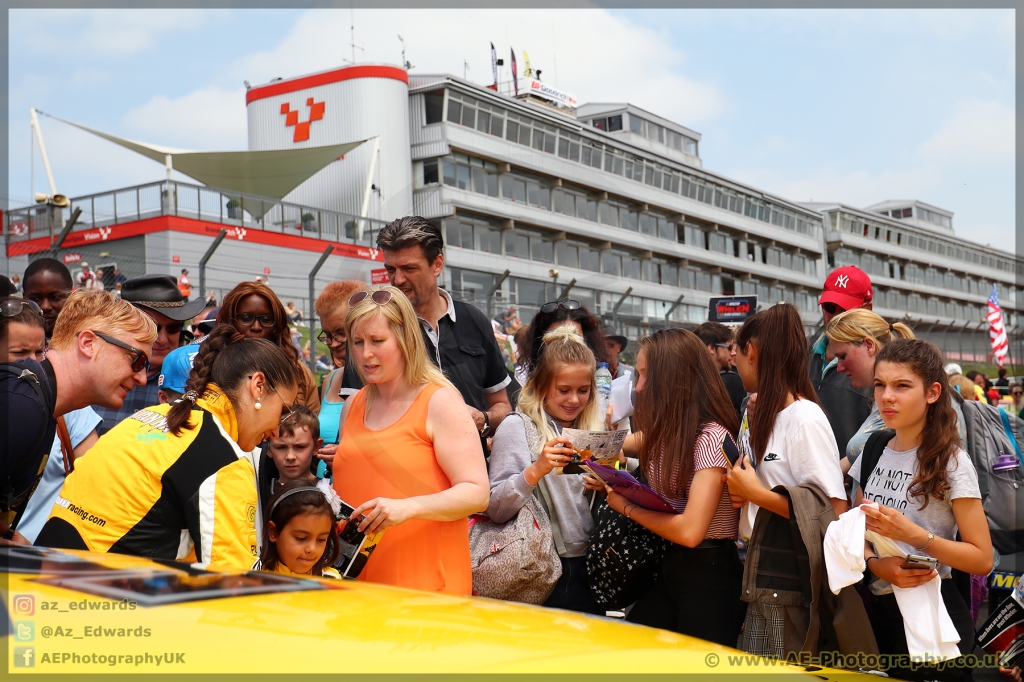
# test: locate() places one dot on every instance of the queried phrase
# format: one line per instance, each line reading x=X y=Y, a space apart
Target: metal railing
x=237 y=209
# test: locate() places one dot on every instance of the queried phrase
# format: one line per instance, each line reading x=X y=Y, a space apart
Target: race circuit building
x=539 y=198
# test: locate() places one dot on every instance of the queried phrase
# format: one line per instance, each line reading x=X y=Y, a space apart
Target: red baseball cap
x=848 y=287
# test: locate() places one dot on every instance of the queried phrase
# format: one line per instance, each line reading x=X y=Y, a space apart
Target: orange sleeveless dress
x=398 y=462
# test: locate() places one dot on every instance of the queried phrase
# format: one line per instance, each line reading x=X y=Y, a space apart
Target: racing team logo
x=291 y=118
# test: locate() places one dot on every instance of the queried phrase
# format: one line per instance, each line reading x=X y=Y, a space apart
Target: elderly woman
x=410 y=459
x=331 y=308
x=255 y=310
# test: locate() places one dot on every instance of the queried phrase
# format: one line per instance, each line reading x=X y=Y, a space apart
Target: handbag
x=517 y=560
x=623 y=558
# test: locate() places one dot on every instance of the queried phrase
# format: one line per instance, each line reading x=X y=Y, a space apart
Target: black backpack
x=15 y=371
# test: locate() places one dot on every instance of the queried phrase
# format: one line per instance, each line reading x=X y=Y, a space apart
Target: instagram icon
x=24 y=605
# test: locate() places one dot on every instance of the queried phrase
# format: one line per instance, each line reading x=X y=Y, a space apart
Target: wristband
x=931 y=539
x=627 y=511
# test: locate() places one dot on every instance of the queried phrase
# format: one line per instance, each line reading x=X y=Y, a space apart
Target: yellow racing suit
x=146 y=492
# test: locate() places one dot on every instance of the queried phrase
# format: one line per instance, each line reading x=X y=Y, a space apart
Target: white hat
x=953 y=368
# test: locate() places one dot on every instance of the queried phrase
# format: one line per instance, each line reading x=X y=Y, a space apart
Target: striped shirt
x=707 y=454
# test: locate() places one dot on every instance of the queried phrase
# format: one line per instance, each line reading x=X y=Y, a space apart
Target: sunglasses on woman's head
x=12 y=307
x=248 y=319
x=568 y=304
x=380 y=297
x=140 y=361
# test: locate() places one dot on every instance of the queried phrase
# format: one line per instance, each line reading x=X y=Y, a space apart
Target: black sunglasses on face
x=832 y=308
x=140 y=360
x=172 y=328
x=568 y=304
x=727 y=346
x=12 y=307
x=248 y=319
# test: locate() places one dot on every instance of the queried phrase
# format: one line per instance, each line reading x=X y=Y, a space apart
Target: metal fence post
x=55 y=249
x=490 y=294
x=206 y=257
x=312 y=306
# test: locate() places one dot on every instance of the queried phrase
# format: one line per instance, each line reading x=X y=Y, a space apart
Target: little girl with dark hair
x=299 y=536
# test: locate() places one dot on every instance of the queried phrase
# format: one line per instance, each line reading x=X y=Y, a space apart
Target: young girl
x=789 y=442
x=685 y=414
x=926 y=488
x=527 y=447
x=299 y=538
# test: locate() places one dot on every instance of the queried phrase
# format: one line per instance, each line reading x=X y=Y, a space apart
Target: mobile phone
x=730 y=450
x=919 y=561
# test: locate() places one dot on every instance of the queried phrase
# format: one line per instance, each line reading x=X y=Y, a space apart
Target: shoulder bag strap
x=872 y=453
x=1009 y=434
x=65 y=446
x=545 y=499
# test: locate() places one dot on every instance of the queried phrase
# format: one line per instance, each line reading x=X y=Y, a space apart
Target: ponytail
x=227 y=358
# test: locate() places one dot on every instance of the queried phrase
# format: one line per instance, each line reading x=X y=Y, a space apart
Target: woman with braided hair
x=173 y=478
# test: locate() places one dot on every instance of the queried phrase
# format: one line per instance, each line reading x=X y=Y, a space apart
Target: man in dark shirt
x=719 y=340
x=846 y=407
x=97 y=344
x=459 y=338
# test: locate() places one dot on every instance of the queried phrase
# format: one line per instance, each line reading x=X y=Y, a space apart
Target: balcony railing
x=190 y=201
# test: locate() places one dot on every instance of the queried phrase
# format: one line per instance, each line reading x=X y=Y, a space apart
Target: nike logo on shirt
x=771 y=457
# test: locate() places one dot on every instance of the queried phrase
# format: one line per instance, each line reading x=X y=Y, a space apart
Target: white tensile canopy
x=268 y=173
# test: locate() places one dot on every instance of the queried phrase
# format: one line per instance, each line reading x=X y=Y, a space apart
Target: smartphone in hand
x=919 y=561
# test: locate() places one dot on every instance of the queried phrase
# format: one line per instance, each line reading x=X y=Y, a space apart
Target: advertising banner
x=726 y=309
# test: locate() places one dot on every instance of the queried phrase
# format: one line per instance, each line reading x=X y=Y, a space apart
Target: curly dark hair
x=542 y=322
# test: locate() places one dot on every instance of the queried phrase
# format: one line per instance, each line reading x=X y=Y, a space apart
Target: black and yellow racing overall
x=146 y=492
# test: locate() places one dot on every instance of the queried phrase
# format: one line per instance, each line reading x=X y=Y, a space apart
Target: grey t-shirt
x=888 y=484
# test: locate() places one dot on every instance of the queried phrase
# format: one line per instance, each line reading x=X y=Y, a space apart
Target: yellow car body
x=81 y=612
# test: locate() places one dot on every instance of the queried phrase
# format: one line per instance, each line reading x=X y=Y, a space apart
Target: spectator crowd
x=197 y=432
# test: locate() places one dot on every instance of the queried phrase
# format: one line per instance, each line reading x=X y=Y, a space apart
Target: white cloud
x=210 y=119
x=102 y=31
x=602 y=55
x=977 y=131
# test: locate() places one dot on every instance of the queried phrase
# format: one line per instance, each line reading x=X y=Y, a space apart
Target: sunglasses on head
x=249 y=319
x=832 y=308
x=12 y=307
x=140 y=361
x=568 y=304
x=380 y=297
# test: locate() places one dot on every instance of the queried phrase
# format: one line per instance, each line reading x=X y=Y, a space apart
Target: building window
x=433 y=103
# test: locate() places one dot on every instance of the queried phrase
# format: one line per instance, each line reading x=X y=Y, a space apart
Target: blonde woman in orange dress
x=409 y=457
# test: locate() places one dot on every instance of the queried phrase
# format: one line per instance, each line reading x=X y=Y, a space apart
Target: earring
x=257 y=406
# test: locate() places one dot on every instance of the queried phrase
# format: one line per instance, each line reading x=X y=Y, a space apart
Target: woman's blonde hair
x=100 y=311
x=401 y=317
x=561 y=346
x=856 y=325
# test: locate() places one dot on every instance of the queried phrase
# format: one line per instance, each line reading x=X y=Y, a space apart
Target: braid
x=199 y=378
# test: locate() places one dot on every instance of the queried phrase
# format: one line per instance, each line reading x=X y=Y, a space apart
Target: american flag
x=996 y=329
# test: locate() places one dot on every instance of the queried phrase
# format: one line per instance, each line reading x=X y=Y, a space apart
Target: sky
x=856 y=106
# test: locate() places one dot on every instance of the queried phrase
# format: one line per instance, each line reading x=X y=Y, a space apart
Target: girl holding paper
x=685 y=416
x=559 y=394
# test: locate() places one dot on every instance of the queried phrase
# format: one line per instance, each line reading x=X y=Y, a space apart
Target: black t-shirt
x=29 y=428
x=734 y=387
x=467 y=354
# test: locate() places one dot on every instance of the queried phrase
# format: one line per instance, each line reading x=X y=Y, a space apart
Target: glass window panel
x=586 y=155
x=511 y=131
x=454 y=234
x=463 y=177
x=454 y=111
x=670 y=274
x=636 y=124
x=468 y=116
x=508 y=187
x=483 y=121
x=538 y=139
x=549 y=143
x=496 y=124
x=492 y=184
x=611 y=263
x=563 y=147
x=648 y=224
x=567 y=254
x=591 y=210
x=630 y=219
x=467 y=236
x=520 y=191
x=542 y=250
x=544 y=199
x=574 y=151
x=479 y=180
x=614 y=123
x=450 y=172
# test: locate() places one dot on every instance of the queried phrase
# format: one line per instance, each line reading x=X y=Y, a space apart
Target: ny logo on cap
x=291 y=118
x=842 y=281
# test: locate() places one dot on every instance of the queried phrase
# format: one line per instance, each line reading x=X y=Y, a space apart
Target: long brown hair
x=280 y=337
x=778 y=334
x=227 y=359
x=683 y=392
x=940 y=439
x=281 y=509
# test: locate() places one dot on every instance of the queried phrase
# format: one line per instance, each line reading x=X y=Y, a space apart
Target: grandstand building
x=539 y=198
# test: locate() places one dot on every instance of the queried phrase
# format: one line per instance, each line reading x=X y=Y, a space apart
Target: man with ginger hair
x=99 y=351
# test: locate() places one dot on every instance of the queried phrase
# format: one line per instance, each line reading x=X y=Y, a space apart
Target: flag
x=527 y=72
x=515 y=78
x=494 y=67
x=996 y=329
